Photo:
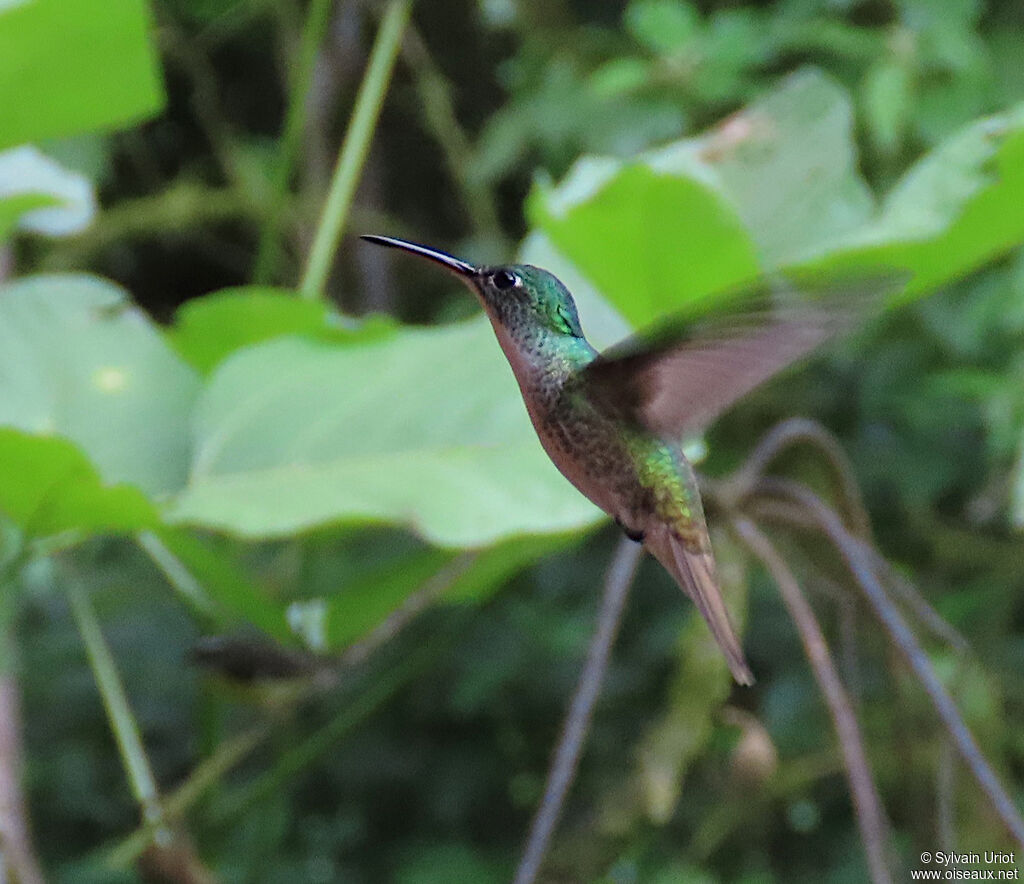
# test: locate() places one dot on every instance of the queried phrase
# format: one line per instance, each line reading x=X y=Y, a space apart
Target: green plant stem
x=122 y=722
x=204 y=777
x=294 y=123
x=183 y=208
x=354 y=148
x=438 y=111
x=205 y=97
x=307 y=752
x=177 y=574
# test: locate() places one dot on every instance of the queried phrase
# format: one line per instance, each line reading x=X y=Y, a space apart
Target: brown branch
x=861 y=567
x=409 y=610
x=795 y=516
x=794 y=432
x=17 y=859
x=918 y=604
x=871 y=819
x=581 y=710
x=945 y=776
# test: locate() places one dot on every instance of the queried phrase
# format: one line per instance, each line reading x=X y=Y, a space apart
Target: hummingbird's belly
x=595 y=457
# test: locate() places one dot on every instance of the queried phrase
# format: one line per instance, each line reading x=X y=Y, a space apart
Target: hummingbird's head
x=520 y=298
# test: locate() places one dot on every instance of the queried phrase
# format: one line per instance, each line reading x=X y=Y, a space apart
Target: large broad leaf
x=645 y=237
x=210 y=328
x=779 y=180
x=957 y=208
x=48 y=486
x=768 y=185
x=70 y=66
x=77 y=360
x=423 y=428
x=788 y=165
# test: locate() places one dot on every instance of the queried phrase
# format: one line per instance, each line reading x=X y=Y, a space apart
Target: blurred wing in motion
x=677 y=378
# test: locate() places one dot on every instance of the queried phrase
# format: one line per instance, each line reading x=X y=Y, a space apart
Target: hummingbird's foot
x=635 y=536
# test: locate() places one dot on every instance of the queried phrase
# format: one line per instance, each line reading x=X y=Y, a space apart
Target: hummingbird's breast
x=580 y=440
x=625 y=471
x=590 y=448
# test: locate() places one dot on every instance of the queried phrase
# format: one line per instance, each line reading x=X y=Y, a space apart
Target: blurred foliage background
x=213 y=422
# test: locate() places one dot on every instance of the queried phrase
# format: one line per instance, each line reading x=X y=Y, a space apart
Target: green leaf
x=39 y=194
x=448 y=863
x=357 y=608
x=422 y=427
x=955 y=209
x=648 y=238
x=69 y=66
x=886 y=94
x=77 y=360
x=14 y=207
x=620 y=76
x=654 y=233
x=48 y=486
x=226 y=583
x=209 y=328
x=663 y=26
x=774 y=182
x=492 y=567
x=787 y=163
x=361 y=605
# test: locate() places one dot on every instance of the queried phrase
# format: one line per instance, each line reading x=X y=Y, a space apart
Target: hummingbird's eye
x=504 y=280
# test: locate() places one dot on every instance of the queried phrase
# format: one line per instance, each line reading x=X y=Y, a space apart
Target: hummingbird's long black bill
x=443 y=258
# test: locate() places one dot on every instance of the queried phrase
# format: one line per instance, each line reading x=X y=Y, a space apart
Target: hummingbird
x=613 y=422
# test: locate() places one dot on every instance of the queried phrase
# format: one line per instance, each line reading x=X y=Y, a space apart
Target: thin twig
x=17 y=858
x=313 y=31
x=122 y=721
x=354 y=148
x=795 y=516
x=945 y=775
x=178 y=576
x=438 y=112
x=868 y=806
x=414 y=605
x=801 y=430
x=183 y=208
x=303 y=754
x=848 y=656
x=911 y=596
x=581 y=709
x=206 y=775
x=861 y=567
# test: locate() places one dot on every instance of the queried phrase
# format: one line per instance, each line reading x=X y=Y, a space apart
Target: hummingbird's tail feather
x=695 y=573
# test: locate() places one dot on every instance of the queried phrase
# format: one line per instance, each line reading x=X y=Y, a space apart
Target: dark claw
x=635 y=536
